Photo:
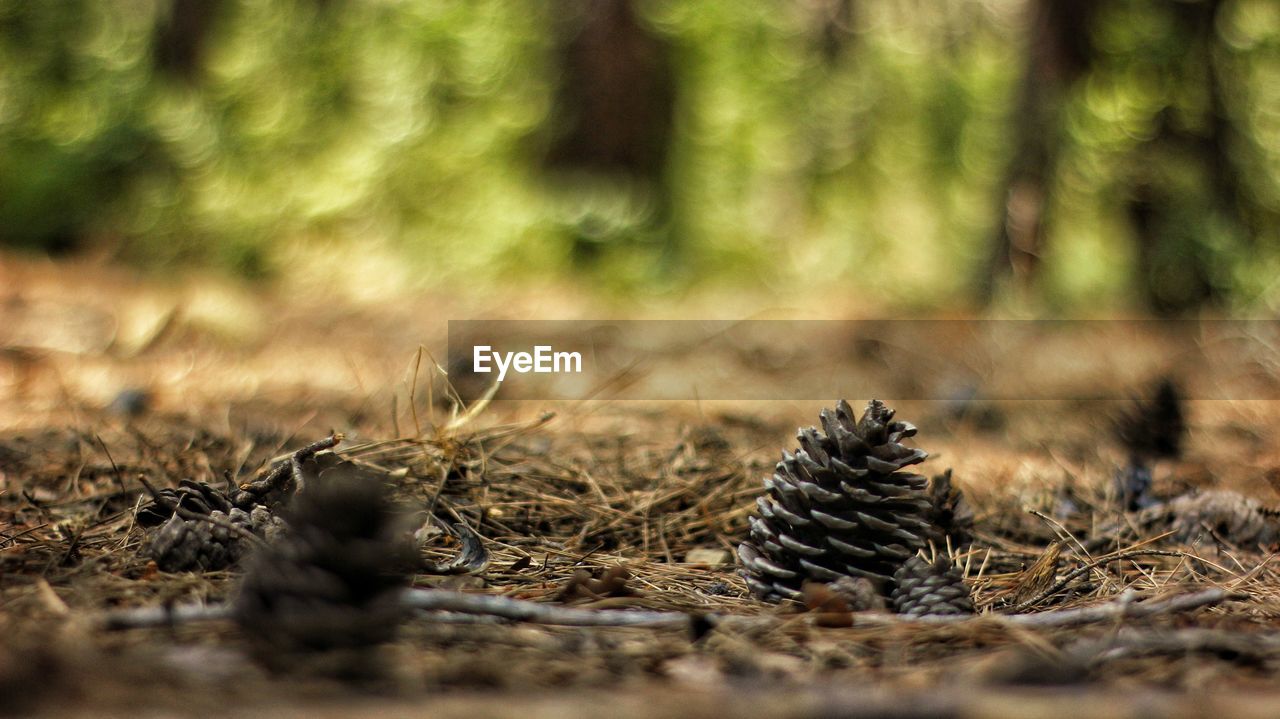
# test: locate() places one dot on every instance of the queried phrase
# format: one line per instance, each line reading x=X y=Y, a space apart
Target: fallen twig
x=1122 y=608
x=435 y=600
x=438 y=600
x=525 y=611
x=142 y=617
x=290 y=467
x=1240 y=646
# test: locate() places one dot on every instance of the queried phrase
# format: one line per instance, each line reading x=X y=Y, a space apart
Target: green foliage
x=875 y=160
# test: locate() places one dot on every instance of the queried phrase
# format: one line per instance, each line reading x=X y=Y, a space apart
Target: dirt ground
x=107 y=379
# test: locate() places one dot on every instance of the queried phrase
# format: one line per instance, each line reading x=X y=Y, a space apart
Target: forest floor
x=107 y=380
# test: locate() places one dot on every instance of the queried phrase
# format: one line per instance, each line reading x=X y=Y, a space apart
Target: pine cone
x=195 y=496
x=1215 y=515
x=1155 y=429
x=213 y=540
x=182 y=545
x=949 y=512
x=840 y=506
x=333 y=581
x=924 y=588
x=1149 y=431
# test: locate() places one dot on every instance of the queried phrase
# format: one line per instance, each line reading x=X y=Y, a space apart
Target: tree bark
x=1059 y=52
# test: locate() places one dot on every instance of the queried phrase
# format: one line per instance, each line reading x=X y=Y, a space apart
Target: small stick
x=450 y=603
x=292 y=466
x=1123 y=608
x=525 y=611
x=168 y=615
x=1127 y=643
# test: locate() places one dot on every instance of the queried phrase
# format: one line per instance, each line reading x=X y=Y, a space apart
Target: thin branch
x=163 y=616
x=1123 y=608
x=450 y=603
x=1239 y=645
x=483 y=605
x=290 y=466
x=524 y=611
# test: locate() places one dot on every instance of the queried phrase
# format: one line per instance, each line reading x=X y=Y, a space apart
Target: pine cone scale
x=800 y=547
x=851 y=550
x=817 y=571
x=818 y=494
x=771 y=511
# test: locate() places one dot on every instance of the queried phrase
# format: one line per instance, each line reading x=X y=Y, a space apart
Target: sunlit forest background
x=1074 y=154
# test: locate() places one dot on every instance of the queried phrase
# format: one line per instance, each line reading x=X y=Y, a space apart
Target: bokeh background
x=1069 y=155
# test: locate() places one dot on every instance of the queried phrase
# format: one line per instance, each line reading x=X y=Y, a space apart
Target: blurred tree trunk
x=180 y=37
x=1174 y=266
x=614 y=106
x=1058 y=53
x=832 y=27
x=615 y=98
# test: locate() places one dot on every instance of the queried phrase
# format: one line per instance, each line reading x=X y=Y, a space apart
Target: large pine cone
x=924 y=588
x=840 y=506
x=333 y=581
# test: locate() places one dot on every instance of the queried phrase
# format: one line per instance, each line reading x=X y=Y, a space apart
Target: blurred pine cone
x=1214 y=516
x=840 y=506
x=333 y=581
x=1149 y=431
x=949 y=512
x=923 y=588
x=1155 y=429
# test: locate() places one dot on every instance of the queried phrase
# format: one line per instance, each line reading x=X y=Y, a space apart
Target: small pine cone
x=924 y=588
x=840 y=506
x=949 y=512
x=333 y=581
x=182 y=545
